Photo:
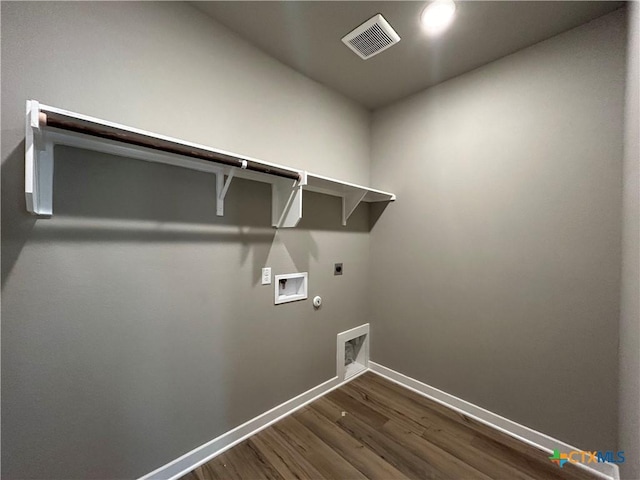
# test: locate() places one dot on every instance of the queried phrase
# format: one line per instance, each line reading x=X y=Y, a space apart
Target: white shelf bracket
x=38 y=171
x=349 y=203
x=286 y=202
x=222 y=187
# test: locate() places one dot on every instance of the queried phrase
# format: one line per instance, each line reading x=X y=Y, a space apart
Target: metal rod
x=64 y=122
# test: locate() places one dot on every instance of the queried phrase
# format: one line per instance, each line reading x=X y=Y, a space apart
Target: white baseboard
x=202 y=454
x=525 y=434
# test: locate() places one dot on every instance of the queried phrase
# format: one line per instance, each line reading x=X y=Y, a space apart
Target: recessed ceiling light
x=437 y=16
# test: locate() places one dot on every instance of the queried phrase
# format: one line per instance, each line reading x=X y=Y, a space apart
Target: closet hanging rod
x=64 y=122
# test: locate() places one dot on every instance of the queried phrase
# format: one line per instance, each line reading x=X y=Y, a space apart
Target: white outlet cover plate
x=266 y=276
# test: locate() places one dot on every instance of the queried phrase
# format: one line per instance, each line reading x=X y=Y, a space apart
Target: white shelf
x=351 y=193
x=47 y=126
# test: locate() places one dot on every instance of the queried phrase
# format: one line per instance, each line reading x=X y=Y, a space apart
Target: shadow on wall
x=104 y=198
x=375 y=212
x=129 y=340
x=17 y=224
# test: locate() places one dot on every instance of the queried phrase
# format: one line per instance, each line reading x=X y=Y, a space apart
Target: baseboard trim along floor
x=504 y=425
x=202 y=454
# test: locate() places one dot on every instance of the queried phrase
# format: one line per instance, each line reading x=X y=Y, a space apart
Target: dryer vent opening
x=353 y=351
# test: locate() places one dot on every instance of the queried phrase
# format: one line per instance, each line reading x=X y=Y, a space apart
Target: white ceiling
x=306 y=35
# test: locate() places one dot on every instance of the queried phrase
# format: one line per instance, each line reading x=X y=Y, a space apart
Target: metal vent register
x=372 y=37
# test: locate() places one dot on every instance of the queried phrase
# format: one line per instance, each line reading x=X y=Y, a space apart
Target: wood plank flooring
x=375 y=429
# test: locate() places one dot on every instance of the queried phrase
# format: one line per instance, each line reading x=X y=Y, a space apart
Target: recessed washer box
x=291 y=287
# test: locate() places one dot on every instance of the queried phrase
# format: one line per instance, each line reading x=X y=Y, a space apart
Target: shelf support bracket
x=349 y=203
x=38 y=171
x=222 y=187
x=286 y=202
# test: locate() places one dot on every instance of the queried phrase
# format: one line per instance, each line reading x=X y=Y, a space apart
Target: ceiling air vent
x=371 y=38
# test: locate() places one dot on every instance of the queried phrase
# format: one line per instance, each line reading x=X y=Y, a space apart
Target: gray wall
x=497 y=276
x=134 y=325
x=629 y=421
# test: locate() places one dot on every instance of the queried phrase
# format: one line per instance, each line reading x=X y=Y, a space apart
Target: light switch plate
x=266 y=276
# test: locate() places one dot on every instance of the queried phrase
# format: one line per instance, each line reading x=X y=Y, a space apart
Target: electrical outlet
x=337 y=269
x=266 y=276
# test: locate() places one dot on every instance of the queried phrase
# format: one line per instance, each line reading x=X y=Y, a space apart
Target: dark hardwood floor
x=374 y=429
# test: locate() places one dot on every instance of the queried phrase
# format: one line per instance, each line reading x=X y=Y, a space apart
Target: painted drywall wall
x=497 y=276
x=629 y=420
x=134 y=325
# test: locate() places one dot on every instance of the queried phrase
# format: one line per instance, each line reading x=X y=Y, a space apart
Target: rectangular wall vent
x=352 y=352
x=372 y=37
